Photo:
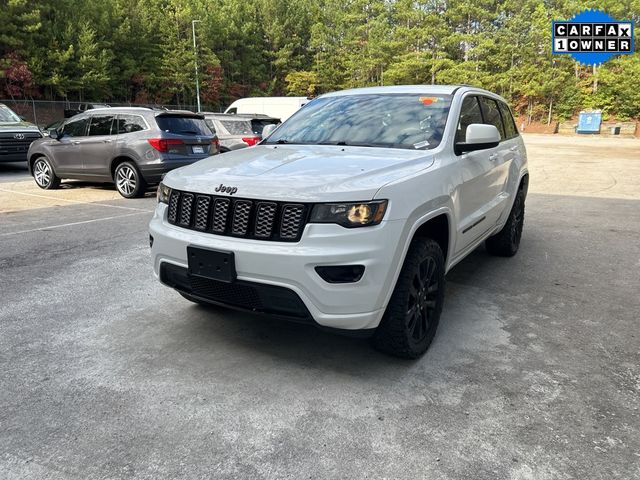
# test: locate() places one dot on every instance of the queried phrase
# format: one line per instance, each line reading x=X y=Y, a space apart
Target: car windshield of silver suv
x=350 y=214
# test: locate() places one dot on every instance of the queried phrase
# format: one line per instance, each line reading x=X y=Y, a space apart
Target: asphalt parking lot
x=533 y=374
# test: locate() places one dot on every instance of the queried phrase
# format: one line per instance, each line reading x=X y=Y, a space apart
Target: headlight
x=164 y=193
x=350 y=215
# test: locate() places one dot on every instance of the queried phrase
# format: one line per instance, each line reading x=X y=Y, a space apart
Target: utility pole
x=195 y=56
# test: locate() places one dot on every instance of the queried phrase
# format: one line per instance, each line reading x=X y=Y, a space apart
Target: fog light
x=340 y=273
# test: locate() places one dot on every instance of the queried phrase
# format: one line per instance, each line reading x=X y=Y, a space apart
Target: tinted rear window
x=237 y=127
x=183 y=125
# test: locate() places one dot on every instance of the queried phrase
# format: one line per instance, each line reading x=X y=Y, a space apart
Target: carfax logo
x=593 y=37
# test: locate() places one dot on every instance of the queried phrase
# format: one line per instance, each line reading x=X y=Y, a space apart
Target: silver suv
x=131 y=147
x=237 y=130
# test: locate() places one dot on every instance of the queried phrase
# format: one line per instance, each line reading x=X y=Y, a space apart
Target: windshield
x=183 y=125
x=378 y=120
x=7 y=115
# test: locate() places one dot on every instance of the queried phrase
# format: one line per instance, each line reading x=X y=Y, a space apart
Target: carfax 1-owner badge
x=593 y=37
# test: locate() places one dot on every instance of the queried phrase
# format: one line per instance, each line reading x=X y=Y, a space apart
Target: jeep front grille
x=238 y=217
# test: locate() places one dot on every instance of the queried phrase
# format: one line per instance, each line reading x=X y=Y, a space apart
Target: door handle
x=107 y=141
x=493 y=157
x=76 y=143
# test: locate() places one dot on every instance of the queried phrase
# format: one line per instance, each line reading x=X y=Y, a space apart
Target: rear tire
x=506 y=242
x=129 y=181
x=44 y=175
x=412 y=316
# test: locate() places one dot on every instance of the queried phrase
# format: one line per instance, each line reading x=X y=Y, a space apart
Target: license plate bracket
x=212 y=264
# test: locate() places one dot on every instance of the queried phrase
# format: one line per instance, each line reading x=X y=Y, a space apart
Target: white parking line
x=77 y=202
x=51 y=227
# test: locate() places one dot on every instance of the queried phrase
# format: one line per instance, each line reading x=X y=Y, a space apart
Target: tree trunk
x=550 y=110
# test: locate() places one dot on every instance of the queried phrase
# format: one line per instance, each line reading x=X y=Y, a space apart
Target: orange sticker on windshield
x=428 y=100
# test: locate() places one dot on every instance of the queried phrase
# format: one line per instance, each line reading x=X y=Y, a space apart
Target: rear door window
x=491 y=114
x=129 y=123
x=470 y=113
x=76 y=128
x=509 y=123
x=100 y=125
x=183 y=125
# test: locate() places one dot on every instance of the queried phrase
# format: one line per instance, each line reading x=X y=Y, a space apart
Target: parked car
x=83 y=107
x=131 y=147
x=275 y=107
x=238 y=131
x=351 y=213
x=16 y=135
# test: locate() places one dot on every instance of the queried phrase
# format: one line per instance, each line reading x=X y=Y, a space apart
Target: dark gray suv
x=131 y=147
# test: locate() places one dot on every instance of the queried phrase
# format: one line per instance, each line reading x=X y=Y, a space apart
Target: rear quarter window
x=128 y=124
x=183 y=125
x=237 y=127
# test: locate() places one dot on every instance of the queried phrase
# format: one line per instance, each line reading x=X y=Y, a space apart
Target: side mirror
x=479 y=137
x=53 y=133
x=268 y=130
x=22 y=118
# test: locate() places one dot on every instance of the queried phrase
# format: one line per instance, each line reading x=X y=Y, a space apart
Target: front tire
x=412 y=316
x=44 y=175
x=506 y=242
x=129 y=181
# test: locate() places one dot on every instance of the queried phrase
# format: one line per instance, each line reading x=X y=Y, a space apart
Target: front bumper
x=13 y=157
x=349 y=306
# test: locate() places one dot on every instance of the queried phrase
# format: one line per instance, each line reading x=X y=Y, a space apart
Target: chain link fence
x=46 y=112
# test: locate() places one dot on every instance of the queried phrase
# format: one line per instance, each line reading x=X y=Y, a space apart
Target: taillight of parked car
x=163 y=144
x=216 y=144
x=251 y=141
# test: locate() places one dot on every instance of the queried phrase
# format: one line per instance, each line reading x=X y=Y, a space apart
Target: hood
x=303 y=173
x=18 y=127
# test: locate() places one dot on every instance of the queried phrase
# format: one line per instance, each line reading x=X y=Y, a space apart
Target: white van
x=276 y=107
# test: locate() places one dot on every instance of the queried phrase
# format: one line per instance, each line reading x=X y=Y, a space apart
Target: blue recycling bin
x=589 y=122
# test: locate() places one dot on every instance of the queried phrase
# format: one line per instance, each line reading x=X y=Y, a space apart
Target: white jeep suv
x=350 y=213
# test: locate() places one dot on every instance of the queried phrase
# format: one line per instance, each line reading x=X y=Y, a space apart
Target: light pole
x=195 y=56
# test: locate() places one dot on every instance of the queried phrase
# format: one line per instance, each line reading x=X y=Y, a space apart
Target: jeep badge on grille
x=224 y=189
